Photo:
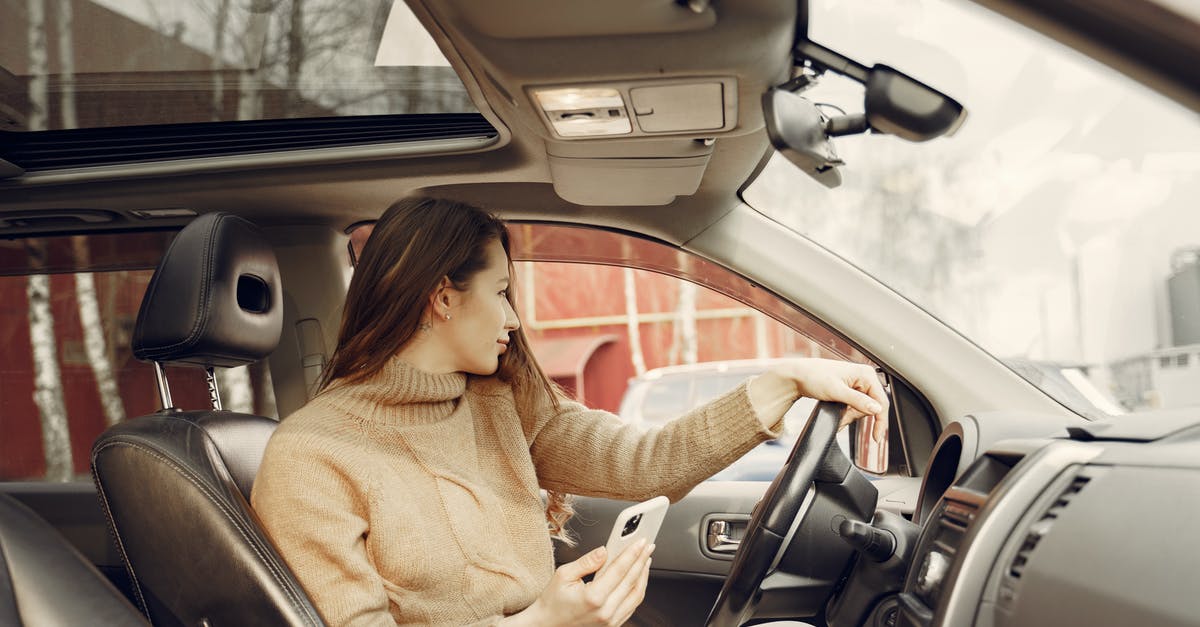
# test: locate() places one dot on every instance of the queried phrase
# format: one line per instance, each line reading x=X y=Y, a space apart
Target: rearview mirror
x=797 y=130
x=900 y=105
x=895 y=103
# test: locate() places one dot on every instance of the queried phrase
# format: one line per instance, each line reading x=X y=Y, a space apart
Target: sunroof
x=112 y=63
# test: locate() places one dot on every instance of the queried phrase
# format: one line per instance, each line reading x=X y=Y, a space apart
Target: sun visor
x=627 y=181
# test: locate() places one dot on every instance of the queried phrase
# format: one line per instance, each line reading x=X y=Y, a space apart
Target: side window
x=665 y=399
x=68 y=370
x=650 y=346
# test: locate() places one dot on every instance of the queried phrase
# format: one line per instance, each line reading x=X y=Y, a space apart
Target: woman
x=409 y=491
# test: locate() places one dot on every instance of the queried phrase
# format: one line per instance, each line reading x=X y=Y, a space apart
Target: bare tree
x=66 y=65
x=685 y=323
x=632 y=323
x=85 y=286
x=236 y=392
x=94 y=342
x=295 y=57
x=47 y=379
x=254 y=42
x=217 y=62
x=38 y=71
x=249 y=94
x=685 y=345
x=762 y=348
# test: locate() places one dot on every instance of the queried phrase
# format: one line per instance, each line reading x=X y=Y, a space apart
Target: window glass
x=665 y=400
x=106 y=63
x=1050 y=229
x=647 y=332
x=67 y=253
x=711 y=387
x=68 y=371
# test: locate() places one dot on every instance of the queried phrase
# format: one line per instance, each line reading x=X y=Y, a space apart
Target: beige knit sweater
x=413 y=498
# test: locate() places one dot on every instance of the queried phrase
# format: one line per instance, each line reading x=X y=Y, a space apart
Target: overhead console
x=638 y=108
x=625 y=118
x=687 y=113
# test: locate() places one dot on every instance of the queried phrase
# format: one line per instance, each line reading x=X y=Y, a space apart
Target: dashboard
x=1089 y=523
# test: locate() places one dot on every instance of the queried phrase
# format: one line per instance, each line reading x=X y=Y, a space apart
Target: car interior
x=641 y=121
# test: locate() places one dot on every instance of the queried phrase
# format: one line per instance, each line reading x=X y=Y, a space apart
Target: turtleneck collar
x=401 y=393
x=400 y=382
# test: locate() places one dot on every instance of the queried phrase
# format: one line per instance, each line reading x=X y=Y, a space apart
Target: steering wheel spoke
x=798 y=548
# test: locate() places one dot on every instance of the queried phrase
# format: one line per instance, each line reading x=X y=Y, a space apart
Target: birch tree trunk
x=94 y=342
x=632 y=323
x=38 y=95
x=85 y=285
x=236 y=392
x=47 y=379
x=253 y=41
x=66 y=64
x=295 y=59
x=249 y=95
x=685 y=318
x=762 y=348
x=218 y=60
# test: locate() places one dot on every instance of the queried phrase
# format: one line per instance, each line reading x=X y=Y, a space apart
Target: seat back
x=45 y=581
x=175 y=485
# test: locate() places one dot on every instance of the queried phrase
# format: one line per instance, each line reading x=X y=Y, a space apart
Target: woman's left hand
x=856 y=385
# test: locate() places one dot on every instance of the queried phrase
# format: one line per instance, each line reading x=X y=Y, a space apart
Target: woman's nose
x=511 y=321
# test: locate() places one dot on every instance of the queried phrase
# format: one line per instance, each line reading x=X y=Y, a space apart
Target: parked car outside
x=663 y=394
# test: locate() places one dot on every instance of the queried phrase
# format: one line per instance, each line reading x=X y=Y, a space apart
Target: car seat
x=175 y=485
x=45 y=581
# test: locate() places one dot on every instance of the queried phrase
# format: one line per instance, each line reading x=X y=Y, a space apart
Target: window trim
x=757 y=297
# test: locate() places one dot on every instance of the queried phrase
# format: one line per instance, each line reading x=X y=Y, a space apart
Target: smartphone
x=640 y=521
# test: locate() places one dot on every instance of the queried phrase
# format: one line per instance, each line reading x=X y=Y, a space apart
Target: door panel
x=684 y=579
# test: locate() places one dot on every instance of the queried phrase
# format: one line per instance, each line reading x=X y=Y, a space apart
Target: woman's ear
x=440 y=300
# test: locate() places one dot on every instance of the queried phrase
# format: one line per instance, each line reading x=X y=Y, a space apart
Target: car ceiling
x=501 y=48
x=749 y=43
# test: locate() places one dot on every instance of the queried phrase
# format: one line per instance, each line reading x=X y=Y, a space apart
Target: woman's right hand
x=608 y=600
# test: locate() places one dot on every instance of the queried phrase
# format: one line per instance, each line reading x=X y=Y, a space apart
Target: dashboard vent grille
x=1039 y=529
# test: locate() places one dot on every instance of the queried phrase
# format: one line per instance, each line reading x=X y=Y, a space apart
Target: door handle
x=720 y=538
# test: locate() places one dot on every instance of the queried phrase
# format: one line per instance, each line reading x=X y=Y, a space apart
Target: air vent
x=49 y=150
x=1039 y=529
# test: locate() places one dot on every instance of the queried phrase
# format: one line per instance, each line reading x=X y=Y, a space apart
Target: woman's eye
x=503 y=293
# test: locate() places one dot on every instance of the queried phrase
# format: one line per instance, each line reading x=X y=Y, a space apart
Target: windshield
x=105 y=63
x=1057 y=229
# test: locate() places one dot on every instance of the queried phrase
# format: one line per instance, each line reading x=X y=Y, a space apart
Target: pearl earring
x=447 y=316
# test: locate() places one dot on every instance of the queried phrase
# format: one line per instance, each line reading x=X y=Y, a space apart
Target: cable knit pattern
x=413 y=498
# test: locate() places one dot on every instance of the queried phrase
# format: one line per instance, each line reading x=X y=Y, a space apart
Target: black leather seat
x=45 y=581
x=175 y=485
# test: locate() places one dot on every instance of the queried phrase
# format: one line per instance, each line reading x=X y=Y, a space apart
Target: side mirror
x=797 y=130
x=900 y=105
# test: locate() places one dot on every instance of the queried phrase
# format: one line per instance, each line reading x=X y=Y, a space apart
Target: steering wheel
x=810 y=462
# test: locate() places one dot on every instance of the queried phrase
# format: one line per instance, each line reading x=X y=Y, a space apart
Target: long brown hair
x=416 y=243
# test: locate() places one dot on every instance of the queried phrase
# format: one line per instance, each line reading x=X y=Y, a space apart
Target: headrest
x=214 y=299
